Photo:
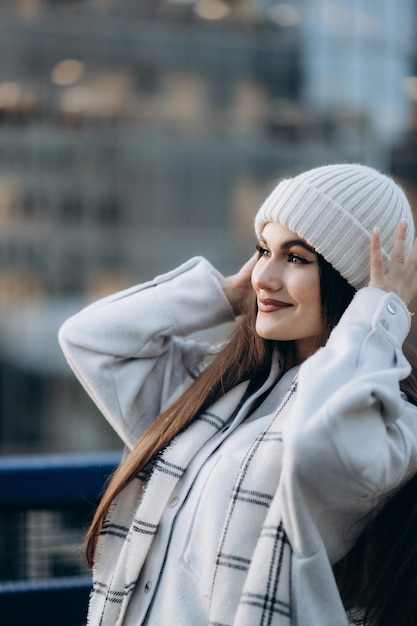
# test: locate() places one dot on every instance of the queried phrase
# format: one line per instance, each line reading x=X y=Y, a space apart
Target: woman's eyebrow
x=288 y=244
x=297 y=242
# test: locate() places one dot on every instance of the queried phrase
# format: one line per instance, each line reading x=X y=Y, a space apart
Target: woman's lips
x=267 y=305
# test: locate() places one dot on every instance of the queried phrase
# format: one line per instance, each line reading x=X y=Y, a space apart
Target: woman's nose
x=266 y=275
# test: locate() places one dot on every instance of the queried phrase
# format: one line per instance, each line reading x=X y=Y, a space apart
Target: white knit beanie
x=335 y=208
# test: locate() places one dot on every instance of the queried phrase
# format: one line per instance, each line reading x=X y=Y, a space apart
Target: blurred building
x=135 y=134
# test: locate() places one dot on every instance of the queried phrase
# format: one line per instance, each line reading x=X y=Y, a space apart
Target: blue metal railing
x=59 y=492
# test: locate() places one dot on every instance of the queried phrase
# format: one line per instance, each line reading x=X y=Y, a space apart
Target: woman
x=255 y=466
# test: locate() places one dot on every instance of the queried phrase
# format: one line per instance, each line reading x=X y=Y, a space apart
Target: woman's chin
x=266 y=332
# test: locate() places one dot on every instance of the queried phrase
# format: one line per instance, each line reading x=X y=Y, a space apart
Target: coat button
x=391 y=308
x=148 y=586
x=173 y=502
x=385 y=324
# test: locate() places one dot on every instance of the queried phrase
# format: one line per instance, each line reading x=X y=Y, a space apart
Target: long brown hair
x=245 y=356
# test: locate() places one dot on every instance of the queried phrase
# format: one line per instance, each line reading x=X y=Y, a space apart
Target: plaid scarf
x=251 y=584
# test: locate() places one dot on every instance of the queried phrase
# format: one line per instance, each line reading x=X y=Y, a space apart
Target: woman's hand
x=401 y=277
x=236 y=286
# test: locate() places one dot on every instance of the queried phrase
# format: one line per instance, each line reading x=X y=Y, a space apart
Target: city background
x=137 y=133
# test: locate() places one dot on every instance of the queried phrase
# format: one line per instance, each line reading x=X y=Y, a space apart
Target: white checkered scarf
x=251 y=585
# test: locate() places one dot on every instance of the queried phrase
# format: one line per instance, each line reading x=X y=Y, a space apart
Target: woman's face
x=286 y=280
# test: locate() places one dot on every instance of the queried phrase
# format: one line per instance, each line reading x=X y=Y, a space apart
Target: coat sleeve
x=129 y=352
x=353 y=437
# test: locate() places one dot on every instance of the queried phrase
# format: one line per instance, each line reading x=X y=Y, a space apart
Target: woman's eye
x=295 y=258
x=262 y=251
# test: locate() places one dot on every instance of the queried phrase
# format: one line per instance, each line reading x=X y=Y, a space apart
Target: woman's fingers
x=401 y=277
x=236 y=286
x=377 y=272
x=245 y=271
x=397 y=263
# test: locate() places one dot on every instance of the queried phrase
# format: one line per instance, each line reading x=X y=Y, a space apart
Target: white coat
x=349 y=435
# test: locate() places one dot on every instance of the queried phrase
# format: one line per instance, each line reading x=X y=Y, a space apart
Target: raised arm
x=128 y=349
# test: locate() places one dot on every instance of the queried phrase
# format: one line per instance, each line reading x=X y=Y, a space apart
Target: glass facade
x=135 y=134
